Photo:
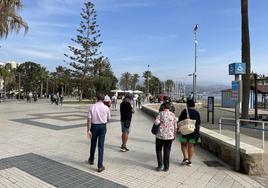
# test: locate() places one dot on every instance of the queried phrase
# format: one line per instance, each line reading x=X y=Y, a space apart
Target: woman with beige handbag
x=188 y=131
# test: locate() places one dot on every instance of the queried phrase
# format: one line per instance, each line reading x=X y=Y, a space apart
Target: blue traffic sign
x=237 y=68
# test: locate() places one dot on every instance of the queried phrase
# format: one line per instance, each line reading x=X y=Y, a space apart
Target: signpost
x=210 y=108
x=237 y=69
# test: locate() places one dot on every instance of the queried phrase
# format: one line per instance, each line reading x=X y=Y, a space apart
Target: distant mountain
x=207 y=89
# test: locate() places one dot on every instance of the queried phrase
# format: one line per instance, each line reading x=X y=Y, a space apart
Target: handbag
x=156 y=127
x=187 y=126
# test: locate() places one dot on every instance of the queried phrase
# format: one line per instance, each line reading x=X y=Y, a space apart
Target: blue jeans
x=98 y=134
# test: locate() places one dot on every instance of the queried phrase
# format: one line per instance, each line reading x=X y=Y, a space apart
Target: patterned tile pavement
x=42 y=156
x=51 y=173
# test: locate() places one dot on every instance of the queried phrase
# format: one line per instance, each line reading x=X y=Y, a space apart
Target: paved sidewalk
x=43 y=145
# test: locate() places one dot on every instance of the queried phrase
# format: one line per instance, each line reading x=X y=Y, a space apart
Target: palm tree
x=245 y=57
x=9 y=18
x=134 y=81
x=147 y=75
x=169 y=85
x=125 y=80
x=155 y=84
x=43 y=76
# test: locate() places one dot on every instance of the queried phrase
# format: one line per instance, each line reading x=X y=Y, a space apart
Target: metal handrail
x=247 y=120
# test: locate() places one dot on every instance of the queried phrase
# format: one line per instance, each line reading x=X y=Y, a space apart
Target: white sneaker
x=123 y=149
x=184 y=162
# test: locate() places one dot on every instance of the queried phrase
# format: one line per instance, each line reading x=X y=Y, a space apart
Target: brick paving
x=41 y=156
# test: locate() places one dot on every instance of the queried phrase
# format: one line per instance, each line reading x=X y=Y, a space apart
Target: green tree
x=103 y=76
x=87 y=44
x=31 y=76
x=125 y=80
x=169 y=84
x=245 y=57
x=134 y=81
x=155 y=85
x=147 y=75
x=9 y=18
x=61 y=78
x=8 y=75
x=43 y=75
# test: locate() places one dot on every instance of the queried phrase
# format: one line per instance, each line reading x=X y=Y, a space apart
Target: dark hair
x=166 y=105
x=128 y=96
x=190 y=103
x=100 y=97
x=165 y=98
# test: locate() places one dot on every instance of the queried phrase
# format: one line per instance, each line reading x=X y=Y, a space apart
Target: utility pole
x=256 y=97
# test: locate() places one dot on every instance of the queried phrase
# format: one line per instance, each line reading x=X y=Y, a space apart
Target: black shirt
x=125 y=111
x=194 y=114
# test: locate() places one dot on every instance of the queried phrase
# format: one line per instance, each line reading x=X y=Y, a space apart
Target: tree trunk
x=41 y=92
x=245 y=57
x=81 y=95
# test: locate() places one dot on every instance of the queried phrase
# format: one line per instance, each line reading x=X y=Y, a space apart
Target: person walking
x=61 y=99
x=126 y=111
x=98 y=116
x=188 y=141
x=107 y=100
x=167 y=131
x=167 y=99
x=139 y=102
x=114 y=101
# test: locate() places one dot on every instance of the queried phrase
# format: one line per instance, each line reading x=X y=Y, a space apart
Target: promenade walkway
x=43 y=145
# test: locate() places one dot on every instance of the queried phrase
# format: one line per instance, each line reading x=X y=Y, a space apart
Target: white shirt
x=99 y=113
x=107 y=98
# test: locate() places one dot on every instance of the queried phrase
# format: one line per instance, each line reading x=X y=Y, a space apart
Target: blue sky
x=141 y=32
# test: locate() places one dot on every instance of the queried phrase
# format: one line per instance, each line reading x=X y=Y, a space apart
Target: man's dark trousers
x=98 y=134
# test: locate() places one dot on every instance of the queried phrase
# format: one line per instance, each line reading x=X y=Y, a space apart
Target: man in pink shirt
x=98 y=116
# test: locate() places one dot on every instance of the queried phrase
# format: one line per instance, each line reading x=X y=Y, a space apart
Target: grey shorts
x=125 y=126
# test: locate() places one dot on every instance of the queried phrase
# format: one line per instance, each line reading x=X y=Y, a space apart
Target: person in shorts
x=126 y=111
x=188 y=141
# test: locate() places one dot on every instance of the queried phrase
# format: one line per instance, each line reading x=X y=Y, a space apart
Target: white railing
x=247 y=120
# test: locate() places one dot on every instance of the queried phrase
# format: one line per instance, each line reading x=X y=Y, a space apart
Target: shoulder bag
x=187 y=126
x=156 y=127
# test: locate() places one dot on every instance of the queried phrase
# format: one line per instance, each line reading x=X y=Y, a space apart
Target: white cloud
x=162 y=38
x=132 y=4
x=49 y=24
x=113 y=5
x=36 y=53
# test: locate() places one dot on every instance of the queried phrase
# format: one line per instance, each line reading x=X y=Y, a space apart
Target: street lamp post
x=193 y=75
x=195 y=59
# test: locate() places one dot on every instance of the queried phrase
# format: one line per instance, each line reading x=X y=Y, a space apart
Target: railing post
x=237 y=145
x=263 y=134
